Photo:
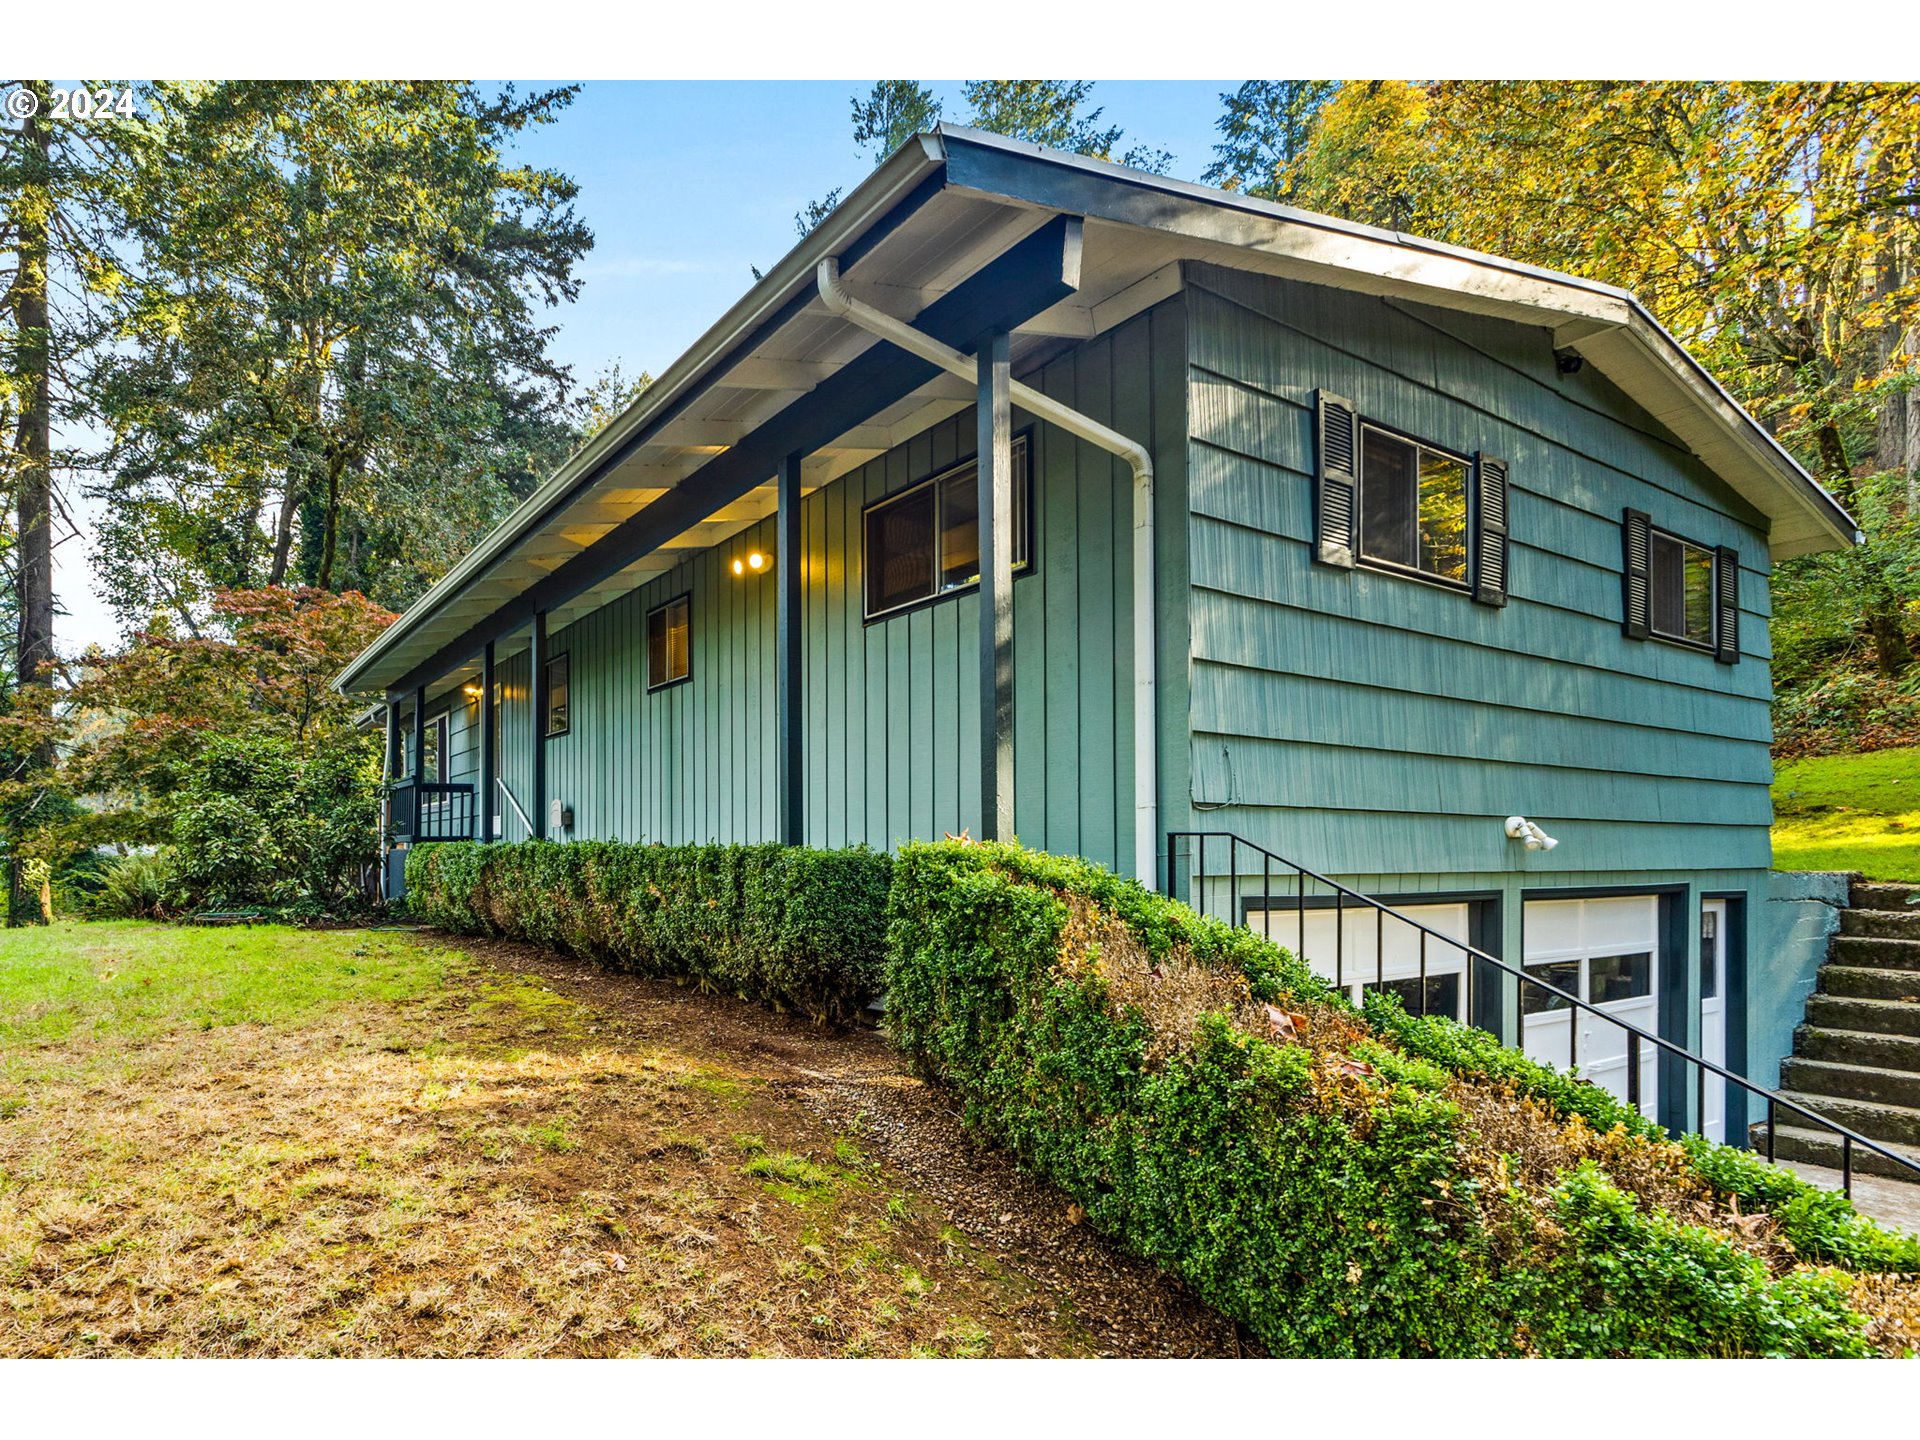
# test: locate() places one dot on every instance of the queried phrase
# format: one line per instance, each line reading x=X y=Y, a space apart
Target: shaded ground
x=1850 y=812
x=281 y=1142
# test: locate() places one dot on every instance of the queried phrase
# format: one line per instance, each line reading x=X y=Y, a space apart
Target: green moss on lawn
x=1850 y=812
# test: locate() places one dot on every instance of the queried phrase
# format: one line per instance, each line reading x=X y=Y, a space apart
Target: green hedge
x=1819 y=1224
x=801 y=929
x=1337 y=1203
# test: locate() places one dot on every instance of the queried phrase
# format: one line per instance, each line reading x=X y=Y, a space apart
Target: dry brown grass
x=485 y=1170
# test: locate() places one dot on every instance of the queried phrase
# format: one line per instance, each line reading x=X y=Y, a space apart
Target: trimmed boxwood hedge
x=1334 y=1203
x=801 y=929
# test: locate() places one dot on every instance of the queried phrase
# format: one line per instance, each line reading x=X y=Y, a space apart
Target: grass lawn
x=1850 y=812
x=271 y=1141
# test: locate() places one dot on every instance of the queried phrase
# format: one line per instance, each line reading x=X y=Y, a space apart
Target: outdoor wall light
x=472 y=692
x=754 y=561
x=1523 y=829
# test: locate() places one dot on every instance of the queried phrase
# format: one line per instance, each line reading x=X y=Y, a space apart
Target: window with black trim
x=1413 y=506
x=924 y=543
x=1394 y=502
x=433 y=764
x=1679 y=590
x=670 y=642
x=559 y=695
x=1680 y=581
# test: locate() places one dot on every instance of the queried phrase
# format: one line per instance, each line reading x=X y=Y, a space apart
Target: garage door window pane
x=1563 y=973
x=1443 y=995
x=1620 y=977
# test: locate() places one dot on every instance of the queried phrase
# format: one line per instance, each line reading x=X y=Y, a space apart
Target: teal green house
x=1035 y=497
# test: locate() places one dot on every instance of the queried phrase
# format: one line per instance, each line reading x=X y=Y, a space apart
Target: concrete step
x=1813 y=1146
x=1899 y=1124
x=1847 y=1012
x=1877 y=896
x=1878 y=952
x=1803 y=1076
x=1858 y=1047
x=1884 y=924
x=1864 y=983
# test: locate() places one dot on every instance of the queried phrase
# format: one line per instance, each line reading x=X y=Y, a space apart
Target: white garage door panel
x=1371 y=950
x=1606 y=951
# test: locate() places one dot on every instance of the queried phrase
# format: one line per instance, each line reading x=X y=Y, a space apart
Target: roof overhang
x=934 y=216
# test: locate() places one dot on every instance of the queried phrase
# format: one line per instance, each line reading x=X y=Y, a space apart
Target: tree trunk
x=33 y=440
x=1880 y=607
x=299 y=472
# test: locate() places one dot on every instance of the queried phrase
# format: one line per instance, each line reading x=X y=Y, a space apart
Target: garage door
x=1606 y=951
x=1360 y=950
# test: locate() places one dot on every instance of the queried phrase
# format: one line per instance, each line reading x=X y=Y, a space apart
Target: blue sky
x=686 y=184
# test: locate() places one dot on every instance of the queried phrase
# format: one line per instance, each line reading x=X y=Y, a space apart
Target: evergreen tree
x=1264 y=130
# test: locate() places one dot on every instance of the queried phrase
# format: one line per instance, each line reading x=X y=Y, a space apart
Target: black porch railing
x=1350 y=907
x=426 y=810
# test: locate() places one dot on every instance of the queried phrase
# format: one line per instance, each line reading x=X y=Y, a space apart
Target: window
x=499 y=775
x=559 y=684
x=1680 y=590
x=925 y=542
x=1564 y=974
x=432 y=766
x=1709 y=954
x=1442 y=998
x=1680 y=576
x=1619 y=977
x=670 y=642
x=1392 y=502
x=1413 y=507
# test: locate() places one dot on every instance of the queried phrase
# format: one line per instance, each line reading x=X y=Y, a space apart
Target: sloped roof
x=941 y=207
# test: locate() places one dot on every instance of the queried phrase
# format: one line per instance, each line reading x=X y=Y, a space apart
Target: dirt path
x=856 y=1083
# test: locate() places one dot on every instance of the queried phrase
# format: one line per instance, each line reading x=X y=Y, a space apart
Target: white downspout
x=1146 y=728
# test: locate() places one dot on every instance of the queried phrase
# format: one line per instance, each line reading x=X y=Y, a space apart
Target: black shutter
x=1637 y=536
x=1726 y=605
x=1490 y=531
x=1337 y=481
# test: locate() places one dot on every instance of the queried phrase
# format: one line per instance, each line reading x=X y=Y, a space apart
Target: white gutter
x=1146 y=729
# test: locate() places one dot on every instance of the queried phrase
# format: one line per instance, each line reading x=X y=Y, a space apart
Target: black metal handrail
x=429 y=810
x=1636 y=1037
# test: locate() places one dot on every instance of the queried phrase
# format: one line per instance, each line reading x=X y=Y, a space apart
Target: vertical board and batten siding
x=891 y=708
x=1368 y=724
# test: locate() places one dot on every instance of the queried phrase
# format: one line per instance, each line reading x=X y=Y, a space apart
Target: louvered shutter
x=1337 y=480
x=1490 y=526
x=1637 y=538
x=1726 y=605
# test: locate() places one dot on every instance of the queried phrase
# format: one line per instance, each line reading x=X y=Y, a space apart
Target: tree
x=1770 y=226
x=334 y=345
x=893 y=112
x=1049 y=112
x=1264 y=129
x=59 y=203
x=137 y=719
